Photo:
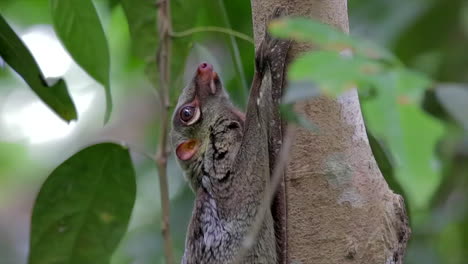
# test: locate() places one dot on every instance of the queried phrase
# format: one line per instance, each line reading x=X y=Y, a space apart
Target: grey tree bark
x=340 y=209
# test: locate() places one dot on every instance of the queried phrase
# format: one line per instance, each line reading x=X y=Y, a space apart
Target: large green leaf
x=385 y=161
x=78 y=26
x=15 y=53
x=333 y=72
x=393 y=113
x=141 y=18
x=327 y=37
x=343 y=62
x=410 y=134
x=142 y=21
x=83 y=209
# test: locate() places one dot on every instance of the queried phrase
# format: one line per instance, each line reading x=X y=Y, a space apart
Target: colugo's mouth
x=187 y=149
x=207 y=76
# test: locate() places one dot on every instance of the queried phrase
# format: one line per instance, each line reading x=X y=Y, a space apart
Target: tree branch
x=163 y=61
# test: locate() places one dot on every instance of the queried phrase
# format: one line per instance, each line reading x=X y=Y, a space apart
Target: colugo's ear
x=187 y=149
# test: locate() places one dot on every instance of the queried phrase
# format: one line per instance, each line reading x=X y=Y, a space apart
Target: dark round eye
x=186 y=113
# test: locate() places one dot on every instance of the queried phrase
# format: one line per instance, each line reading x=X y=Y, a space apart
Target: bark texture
x=340 y=209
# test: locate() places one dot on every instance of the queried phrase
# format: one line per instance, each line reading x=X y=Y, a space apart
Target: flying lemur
x=227 y=159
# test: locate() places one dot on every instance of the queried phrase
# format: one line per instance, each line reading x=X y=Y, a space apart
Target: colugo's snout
x=207 y=77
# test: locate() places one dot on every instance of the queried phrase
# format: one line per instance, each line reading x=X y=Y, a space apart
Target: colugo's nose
x=205 y=71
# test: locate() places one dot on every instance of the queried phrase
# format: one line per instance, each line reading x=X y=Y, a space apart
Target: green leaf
x=385 y=161
x=334 y=73
x=328 y=38
x=410 y=134
x=141 y=19
x=14 y=52
x=83 y=209
x=78 y=26
x=411 y=84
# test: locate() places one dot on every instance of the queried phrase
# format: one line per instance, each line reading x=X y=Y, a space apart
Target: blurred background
x=426 y=153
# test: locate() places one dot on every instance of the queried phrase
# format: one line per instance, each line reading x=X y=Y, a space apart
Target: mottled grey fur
x=231 y=169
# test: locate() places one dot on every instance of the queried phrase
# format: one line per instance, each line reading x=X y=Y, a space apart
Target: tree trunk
x=340 y=209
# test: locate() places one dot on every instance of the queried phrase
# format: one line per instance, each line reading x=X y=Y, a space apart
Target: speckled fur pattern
x=219 y=225
x=231 y=168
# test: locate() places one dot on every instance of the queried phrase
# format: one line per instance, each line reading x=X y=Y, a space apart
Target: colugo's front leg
x=263 y=108
x=277 y=60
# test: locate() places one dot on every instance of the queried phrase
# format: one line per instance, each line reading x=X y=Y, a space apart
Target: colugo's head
x=202 y=103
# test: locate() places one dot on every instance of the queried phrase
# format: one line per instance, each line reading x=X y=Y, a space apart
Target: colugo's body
x=228 y=195
x=226 y=158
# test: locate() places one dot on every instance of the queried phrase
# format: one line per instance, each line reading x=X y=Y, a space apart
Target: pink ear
x=187 y=149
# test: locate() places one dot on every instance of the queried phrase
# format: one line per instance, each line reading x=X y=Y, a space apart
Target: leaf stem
x=227 y=31
x=163 y=61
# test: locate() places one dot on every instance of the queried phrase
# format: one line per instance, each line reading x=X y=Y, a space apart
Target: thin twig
x=163 y=60
x=228 y=31
x=251 y=236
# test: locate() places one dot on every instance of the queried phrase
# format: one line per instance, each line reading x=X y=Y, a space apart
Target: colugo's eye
x=187 y=113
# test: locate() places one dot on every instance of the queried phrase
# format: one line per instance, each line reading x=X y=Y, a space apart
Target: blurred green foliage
x=417 y=118
x=429 y=150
